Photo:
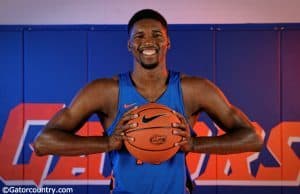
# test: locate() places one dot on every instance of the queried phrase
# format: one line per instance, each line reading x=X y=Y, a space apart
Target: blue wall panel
x=192 y=52
x=108 y=54
x=247 y=71
x=290 y=71
x=11 y=68
x=290 y=75
x=55 y=65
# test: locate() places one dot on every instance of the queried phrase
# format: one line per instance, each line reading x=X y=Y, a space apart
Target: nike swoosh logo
x=126 y=106
x=147 y=120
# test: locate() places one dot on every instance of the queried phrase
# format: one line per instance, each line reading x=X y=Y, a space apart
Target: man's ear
x=129 y=46
x=169 y=43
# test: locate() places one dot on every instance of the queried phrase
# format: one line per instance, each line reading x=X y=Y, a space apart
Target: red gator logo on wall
x=20 y=166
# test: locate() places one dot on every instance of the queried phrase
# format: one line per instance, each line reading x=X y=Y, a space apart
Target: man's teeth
x=149 y=52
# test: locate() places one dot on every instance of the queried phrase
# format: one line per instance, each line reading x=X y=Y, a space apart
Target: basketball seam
x=150 y=150
x=136 y=129
x=170 y=110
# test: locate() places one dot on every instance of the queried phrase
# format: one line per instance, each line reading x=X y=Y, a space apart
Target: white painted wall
x=175 y=11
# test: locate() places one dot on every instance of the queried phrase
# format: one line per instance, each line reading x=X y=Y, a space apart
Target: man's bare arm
x=59 y=138
x=59 y=135
x=240 y=135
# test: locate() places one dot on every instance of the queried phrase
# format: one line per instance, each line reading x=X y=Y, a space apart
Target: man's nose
x=148 y=40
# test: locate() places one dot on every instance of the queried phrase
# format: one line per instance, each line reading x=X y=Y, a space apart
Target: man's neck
x=155 y=76
x=151 y=84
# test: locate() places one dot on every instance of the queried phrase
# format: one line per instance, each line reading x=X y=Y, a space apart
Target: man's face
x=148 y=43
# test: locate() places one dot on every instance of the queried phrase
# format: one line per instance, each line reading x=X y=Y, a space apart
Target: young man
x=150 y=81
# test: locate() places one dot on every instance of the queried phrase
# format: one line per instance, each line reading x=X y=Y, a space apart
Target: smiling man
x=149 y=81
x=146 y=52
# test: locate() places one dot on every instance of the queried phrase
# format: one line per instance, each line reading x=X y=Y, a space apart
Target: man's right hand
x=115 y=141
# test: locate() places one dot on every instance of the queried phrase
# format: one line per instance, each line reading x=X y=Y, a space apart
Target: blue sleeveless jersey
x=169 y=177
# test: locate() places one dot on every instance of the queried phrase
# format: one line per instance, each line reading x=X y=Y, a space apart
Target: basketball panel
x=154 y=138
x=154 y=157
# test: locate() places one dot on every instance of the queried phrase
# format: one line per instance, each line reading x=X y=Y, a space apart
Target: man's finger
x=130 y=111
x=128 y=117
x=125 y=127
x=128 y=138
x=181 y=117
x=181 y=126
x=180 y=133
x=181 y=143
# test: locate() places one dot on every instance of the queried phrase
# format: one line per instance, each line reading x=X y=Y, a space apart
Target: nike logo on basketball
x=148 y=119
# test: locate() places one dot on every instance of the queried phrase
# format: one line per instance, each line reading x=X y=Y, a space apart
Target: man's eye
x=157 y=35
x=138 y=36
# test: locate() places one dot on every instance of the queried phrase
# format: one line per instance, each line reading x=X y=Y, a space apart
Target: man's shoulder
x=102 y=91
x=198 y=83
x=96 y=87
x=188 y=79
x=104 y=82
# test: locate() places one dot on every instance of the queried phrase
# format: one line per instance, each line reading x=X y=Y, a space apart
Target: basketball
x=153 y=137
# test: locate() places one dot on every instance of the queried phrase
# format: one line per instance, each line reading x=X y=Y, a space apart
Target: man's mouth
x=148 y=51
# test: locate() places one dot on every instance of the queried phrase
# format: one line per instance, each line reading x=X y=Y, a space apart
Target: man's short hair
x=146 y=14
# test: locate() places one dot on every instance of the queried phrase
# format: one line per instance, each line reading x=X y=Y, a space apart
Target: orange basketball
x=153 y=137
